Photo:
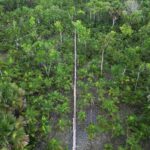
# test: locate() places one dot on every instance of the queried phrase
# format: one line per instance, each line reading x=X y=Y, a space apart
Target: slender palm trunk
x=136 y=84
x=114 y=21
x=61 y=37
x=102 y=61
x=75 y=91
x=124 y=71
x=138 y=77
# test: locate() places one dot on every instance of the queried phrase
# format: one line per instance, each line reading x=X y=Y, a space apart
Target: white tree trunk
x=138 y=76
x=124 y=71
x=75 y=91
x=61 y=37
x=114 y=19
x=102 y=61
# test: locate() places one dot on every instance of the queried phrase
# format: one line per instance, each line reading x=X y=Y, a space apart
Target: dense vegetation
x=36 y=71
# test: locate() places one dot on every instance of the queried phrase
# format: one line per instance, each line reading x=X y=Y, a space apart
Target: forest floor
x=83 y=143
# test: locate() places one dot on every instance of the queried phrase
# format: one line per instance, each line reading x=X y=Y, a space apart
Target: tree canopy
x=36 y=71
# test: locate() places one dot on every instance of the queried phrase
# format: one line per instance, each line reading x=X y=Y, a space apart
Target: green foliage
x=36 y=71
x=83 y=32
x=92 y=131
x=108 y=147
x=133 y=143
x=11 y=96
x=126 y=30
x=82 y=116
x=58 y=26
x=12 y=132
x=99 y=6
x=54 y=145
